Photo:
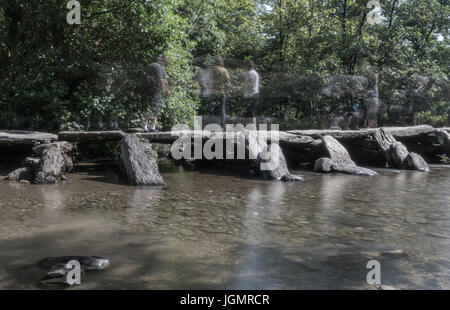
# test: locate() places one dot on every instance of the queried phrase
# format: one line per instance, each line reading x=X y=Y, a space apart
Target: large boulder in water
x=266 y=160
x=396 y=154
x=416 y=162
x=51 y=166
x=337 y=151
x=64 y=148
x=339 y=160
x=274 y=165
x=140 y=166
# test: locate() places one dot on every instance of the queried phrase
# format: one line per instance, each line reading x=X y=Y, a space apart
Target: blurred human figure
x=220 y=80
x=250 y=90
x=371 y=98
x=204 y=80
x=417 y=95
x=157 y=87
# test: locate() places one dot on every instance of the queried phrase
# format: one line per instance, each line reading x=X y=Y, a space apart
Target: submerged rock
x=140 y=166
x=88 y=262
x=353 y=169
x=59 y=269
x=18 y=175
x=58 y=274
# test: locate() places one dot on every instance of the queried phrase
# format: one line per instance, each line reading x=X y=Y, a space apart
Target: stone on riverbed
x=65 y=147
x=396 y=154
x=140 y=166
x=54 y=162
x=32 y=163
x=337 y=151
x=51 y=166
x=323 y=164
x=340 y=160
x=415 y=162
x=266 y=160
x=444 y=140
x=18 y=175
x=353 y=169
x=274 y=166
x=68 y=163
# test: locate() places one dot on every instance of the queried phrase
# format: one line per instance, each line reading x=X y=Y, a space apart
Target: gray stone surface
x=23 y=137
x=65 y=147
x=409 y=133
x=444 y=140
x=396 y=154
x=339 y=160
x=68 y=163
x=18 y=175
x=32 y=162
x=337 y=152
x=254 y=144
x=384 y=139
x=274 y=165
x=323 y=164
x=51 y=166
x=353 y=169
x=415 y=162
x=292 y=178
x=140 y=167
x=266 y=160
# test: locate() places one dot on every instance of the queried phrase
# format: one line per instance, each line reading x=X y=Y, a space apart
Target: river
x=216 y=230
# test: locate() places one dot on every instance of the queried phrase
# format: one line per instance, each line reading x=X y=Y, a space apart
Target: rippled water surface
x=207 y=230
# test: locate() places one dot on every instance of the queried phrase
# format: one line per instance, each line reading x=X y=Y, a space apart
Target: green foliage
x=56 y=76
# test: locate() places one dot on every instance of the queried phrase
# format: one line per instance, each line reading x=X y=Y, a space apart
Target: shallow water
x=207 y=230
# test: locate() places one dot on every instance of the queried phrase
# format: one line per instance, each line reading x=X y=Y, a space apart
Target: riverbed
x=218 y=230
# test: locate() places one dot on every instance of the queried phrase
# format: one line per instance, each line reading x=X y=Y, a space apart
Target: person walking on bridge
x=250 y=91
x=156 y=88
x=221 y=78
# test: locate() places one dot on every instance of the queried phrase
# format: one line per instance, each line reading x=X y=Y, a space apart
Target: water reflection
x=52 y=198
x=213 y=230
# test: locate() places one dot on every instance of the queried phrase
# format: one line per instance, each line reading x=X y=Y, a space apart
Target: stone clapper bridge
x=322 y=150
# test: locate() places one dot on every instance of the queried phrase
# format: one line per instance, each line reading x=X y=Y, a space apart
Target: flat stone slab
x=23 y=137
x=292 y=137
x=397 y=132
x=91 y=136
